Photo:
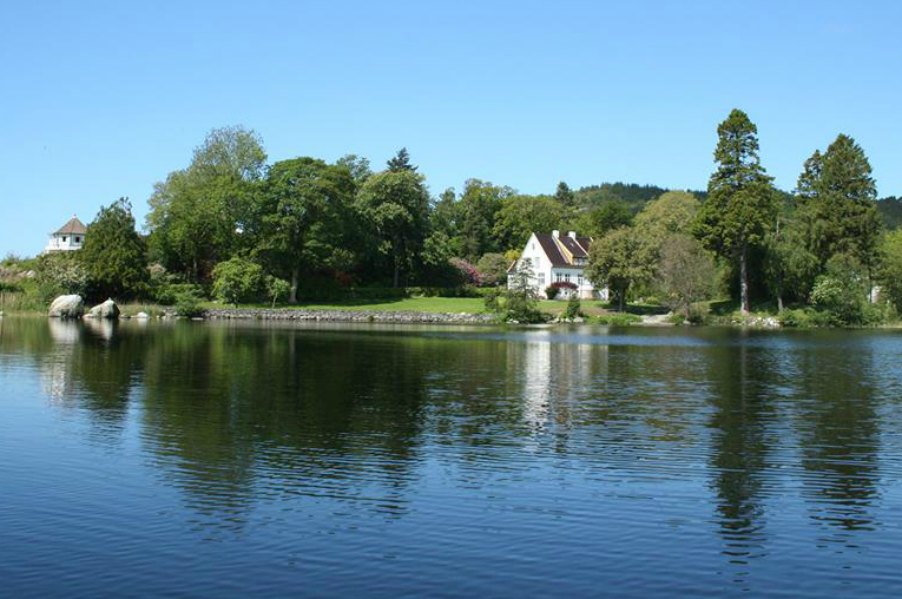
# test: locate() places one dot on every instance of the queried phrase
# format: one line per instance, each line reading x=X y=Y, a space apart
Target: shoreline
x=361 y=316
x=754 y=322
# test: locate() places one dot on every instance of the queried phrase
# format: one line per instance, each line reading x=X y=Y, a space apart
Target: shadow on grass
x=722 y=307
x=637 y=309
x=730 y=306
x=345 y=302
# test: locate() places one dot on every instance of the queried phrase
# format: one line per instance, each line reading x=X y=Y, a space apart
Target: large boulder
x=108 y=310
x=67 y=306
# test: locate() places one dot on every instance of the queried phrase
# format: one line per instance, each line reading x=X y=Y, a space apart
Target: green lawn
x=470 y=305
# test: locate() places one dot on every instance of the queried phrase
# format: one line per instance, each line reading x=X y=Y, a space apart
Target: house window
x=579 y=280
x=541 y=279
x=538 y=262
x=557 y=277
x=64 y=239
x=78 y=240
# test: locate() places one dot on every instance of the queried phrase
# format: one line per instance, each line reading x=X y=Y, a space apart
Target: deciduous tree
x=395 y=204
x=520 y=216
x=305 y=206
x=478 y=207
x=197 y=214
x=608 y=215
x=619 y=260
x=685 y=272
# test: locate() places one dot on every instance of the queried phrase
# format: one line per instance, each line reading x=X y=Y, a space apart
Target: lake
x=205 y=459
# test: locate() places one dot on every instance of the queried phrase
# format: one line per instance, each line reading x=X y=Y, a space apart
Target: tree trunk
x=295 y=281
x=744 y=279
x=397 y=276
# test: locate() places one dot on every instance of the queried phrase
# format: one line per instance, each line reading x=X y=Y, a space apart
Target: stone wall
x=399 y=317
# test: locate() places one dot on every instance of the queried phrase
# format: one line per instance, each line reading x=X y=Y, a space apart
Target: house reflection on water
x=56 y=367
x=555 y=375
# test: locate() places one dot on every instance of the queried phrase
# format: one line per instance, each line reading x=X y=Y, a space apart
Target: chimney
x=555 y=233
x=571 y=234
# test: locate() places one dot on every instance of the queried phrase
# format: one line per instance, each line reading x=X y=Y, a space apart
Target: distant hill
x=636 y=196
x=632 y=194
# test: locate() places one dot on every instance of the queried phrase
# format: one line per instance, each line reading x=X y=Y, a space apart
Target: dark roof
x=73 y=227
x=551 y=250
x=585 y=242
x=573 y=246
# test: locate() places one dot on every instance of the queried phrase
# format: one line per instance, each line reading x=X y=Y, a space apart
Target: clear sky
x=101 y=99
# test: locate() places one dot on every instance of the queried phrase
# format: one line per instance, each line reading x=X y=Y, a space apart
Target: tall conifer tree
x=741 y=203
x=837 y=199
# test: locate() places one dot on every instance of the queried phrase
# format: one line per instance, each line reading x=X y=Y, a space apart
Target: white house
x=70 y=236
x=559 y=259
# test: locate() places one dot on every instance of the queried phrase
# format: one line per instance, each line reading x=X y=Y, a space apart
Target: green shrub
x=677 y=318
x=619 y=319
x=696 y=318
x=492 y=300
x=819 y=318
x=277 y=288
x=697 y=315
x=238 y=280
x=59 y=274
x=795 y=319
x=551 y=292
x=11 y=287
x=168 y=294
x=573 y=309
x=841 y=293
x=188 y=305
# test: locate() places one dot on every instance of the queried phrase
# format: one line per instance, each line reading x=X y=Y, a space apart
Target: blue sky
x=101 y=99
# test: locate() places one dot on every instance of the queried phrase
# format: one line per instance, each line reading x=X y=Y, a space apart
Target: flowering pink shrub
x=564 y=285
x=467 y=271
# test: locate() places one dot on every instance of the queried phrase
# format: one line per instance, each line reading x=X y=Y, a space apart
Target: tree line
x=312 y=225
x=824 y=246
x=232 y=224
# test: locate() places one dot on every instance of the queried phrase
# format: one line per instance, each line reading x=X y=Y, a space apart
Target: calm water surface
x=197 y=459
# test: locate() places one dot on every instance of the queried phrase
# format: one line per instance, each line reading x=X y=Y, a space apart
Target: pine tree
x=741 y=203
x=837 y=198
x=564 y=195
x=114 y=254
x=401 y=162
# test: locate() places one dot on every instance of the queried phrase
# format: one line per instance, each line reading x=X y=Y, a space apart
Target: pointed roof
x=551 y=250
x=73 y=227
x=573 y=246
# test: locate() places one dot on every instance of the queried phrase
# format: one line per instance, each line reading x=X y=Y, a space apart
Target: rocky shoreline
x=391 y=317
